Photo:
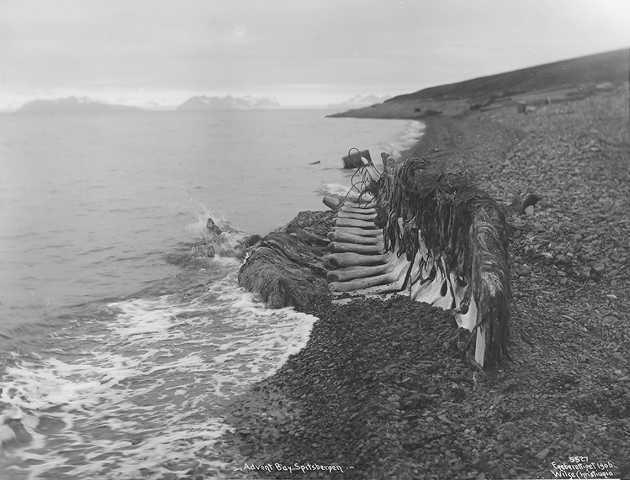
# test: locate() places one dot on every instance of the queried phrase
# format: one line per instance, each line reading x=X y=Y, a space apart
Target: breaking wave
x=410 y=134
x=139 y=389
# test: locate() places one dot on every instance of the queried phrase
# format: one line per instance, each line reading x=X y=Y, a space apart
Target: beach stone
x=584 y=272
x=597 y=271
x=523 y=270
x=599 y=267
x=562 y=259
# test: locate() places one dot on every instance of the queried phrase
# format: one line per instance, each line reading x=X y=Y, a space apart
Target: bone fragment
x=358 y=239
x=341 y=260
x=364 y=232
x=351 y=222
x=352 y=247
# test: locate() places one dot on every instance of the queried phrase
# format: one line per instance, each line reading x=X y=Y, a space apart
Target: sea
x=119 y=345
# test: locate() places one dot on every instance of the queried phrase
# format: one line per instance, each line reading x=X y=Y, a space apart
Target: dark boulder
x=286 y=268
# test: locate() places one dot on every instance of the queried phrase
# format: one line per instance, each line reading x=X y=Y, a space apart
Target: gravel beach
x=382 y=389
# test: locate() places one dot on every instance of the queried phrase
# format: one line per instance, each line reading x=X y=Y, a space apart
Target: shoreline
x=387 y=399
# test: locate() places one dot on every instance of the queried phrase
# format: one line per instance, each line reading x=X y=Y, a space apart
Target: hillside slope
x=548 y=83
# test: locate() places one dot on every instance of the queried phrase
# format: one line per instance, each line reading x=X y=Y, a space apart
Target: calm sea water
x=117 y=348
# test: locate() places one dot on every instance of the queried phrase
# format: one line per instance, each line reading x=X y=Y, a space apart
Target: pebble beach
x=382 y=388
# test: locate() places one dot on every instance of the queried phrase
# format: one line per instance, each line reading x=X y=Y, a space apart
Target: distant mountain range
x=197 y=103
x=72 y=105
x=193 y=104
x=203 y=103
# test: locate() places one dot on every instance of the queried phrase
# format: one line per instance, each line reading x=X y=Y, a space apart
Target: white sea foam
x=411 y=133
x=198 y=226
x=333 y=189
x=137 y=391
x=146 y=400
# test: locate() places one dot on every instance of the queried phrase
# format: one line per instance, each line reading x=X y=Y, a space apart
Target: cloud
x=206 y=46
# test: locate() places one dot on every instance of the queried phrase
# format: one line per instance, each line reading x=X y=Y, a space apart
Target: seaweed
x=459 y=224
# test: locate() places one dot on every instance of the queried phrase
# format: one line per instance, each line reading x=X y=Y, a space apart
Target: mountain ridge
x=228 y=102
x=72 y=105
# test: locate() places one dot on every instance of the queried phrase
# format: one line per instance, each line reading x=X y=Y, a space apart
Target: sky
x=301 y=52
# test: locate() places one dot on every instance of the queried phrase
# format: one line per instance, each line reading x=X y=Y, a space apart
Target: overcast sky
x=301 y=52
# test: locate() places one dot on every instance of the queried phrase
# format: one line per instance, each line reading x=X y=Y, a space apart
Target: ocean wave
x=410 y=134
x=332 y=189
x=141 y=388
x=197 y=228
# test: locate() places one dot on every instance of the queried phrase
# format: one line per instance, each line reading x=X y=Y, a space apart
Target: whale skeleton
x=464 y=265
x=361 y=266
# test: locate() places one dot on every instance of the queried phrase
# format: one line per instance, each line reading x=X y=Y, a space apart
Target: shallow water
x=118 y=348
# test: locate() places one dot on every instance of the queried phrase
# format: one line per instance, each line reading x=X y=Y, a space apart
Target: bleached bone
x=360 y=239
x=381 y=274
x=351 y=222
x=340 y=260
x=351 y=273
x=356 y=248
x=466 y=320
x=388 y=288
x=480 y=345
x=437 y=291
x=428 y=278
x=358 y=216
x=396 y=276
x=356 y=198
x=364 y=276
x=349 y=209
x=365 y=205
x=364 y=232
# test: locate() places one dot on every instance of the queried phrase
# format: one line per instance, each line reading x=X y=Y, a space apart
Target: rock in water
x=213 y=228
x=286 y=267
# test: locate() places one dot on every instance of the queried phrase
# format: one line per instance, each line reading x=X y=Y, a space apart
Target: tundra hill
x=551 y=82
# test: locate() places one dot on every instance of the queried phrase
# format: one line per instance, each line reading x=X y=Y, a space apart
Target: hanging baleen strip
x=462 y=226
x=443 y=242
